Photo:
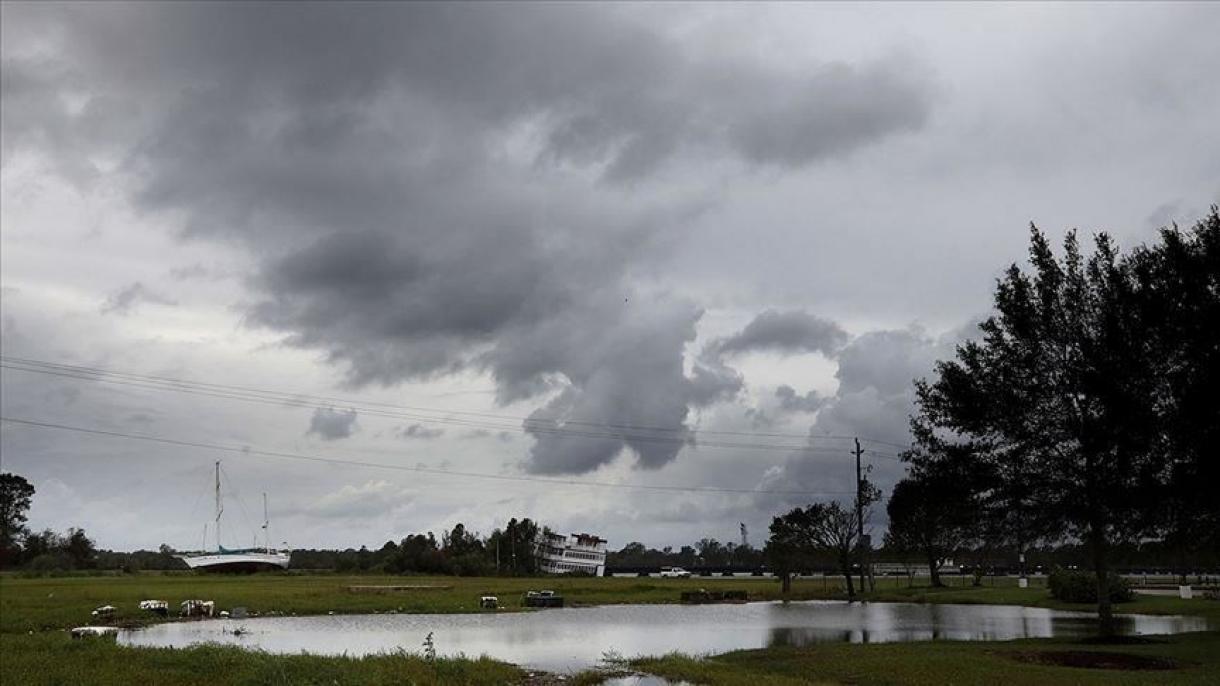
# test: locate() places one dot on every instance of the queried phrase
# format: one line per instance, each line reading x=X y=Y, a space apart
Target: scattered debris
x=542 y=599
x=90 y=631
x=489 y=602
x=198 y=608
x=104 y=612
x=705 y=596
x=238 y=631
x=238 y=613
x=157 y=607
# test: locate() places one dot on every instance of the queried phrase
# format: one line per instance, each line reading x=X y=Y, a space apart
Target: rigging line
x=538 y=428
x=247 y=389
x=241 y=503
x=403 y=468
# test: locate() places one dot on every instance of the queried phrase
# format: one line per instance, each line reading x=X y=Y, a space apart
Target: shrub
x=1074 y=586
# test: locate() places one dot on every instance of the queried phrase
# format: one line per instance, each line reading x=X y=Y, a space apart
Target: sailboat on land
x=241 y=560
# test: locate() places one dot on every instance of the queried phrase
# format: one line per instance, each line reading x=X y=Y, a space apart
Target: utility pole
x=860 y=514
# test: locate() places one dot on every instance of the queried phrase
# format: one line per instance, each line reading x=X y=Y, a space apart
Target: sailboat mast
x=219 y=506
x=266 y=524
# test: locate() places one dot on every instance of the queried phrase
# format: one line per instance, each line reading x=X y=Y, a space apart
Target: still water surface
x=572 y=639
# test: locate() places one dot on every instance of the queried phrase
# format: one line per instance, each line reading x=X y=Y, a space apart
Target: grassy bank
x=53 y=658
x=1194 y=659
x=35 y=611
x=53 y=603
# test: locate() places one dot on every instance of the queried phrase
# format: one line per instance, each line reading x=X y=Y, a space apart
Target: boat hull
x=237 y=562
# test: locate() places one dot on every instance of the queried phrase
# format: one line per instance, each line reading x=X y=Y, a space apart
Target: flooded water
x=571 y=639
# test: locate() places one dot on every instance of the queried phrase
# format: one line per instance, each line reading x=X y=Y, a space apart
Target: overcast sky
x=722 y=221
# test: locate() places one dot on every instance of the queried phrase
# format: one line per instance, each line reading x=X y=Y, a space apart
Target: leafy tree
x=711 y=552
x=80 y=548
x=799 y=535
x=1061 y=386
x=15 y=496
x=1178 y=295
x=41 y=543
x=934 y=512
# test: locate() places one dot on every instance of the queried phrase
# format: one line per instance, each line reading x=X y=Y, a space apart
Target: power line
x=245 y=450
x=528 y=425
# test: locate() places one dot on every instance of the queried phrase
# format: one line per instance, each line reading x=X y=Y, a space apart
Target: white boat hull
x=237 y=562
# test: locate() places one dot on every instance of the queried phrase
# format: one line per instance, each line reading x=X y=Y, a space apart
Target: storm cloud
x=791 y=401
x=589 y=238
x=330 y=424
x=788 y=332
x=439 y=188
x=874 y=401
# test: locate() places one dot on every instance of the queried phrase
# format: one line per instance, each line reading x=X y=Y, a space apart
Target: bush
x=50 y=562
x=1073 y=586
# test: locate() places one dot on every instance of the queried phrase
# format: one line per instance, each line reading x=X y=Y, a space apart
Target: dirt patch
x=1090 y=659
x=1123 y=640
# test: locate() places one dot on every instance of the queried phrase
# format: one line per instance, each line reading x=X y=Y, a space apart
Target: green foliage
x=1090 y=397
x=936 y=511
x=15 y=495
x=54 y=658
x=798 y=536
x=1075 y=586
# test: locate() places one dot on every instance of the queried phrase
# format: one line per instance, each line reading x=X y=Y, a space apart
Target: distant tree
x=686 y=556
x=15 y=496
x=80 y=548
x=711 y=552
x=521 y=537
x=41 y=543
x=934 y=512
x=800 y=534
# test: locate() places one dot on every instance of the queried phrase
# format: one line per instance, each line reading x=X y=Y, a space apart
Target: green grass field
x=36 y=649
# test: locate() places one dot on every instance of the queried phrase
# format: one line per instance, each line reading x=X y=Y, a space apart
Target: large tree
x=1063 y=385
x=1178 y=289
x=15 y=496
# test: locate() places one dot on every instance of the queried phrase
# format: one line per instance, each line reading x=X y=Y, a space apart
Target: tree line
x=508 y=550
x=706 y=552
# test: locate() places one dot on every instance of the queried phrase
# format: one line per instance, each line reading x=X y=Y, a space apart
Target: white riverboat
x=582 y=553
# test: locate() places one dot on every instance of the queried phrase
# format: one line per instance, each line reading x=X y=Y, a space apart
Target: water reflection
x=576 y=638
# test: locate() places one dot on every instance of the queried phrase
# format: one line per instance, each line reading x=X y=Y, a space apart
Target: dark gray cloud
x=127 y=298
x=712 y=381
x=793 y=331
x=330 y=424
x=421 y=432
x=791 y=401
x=874 y=402
x=434 y=188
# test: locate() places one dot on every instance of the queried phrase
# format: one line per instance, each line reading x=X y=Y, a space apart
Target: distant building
x=559 y=554
x=912 y=568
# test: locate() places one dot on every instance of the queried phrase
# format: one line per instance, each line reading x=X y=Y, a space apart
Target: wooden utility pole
x=860 y=515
